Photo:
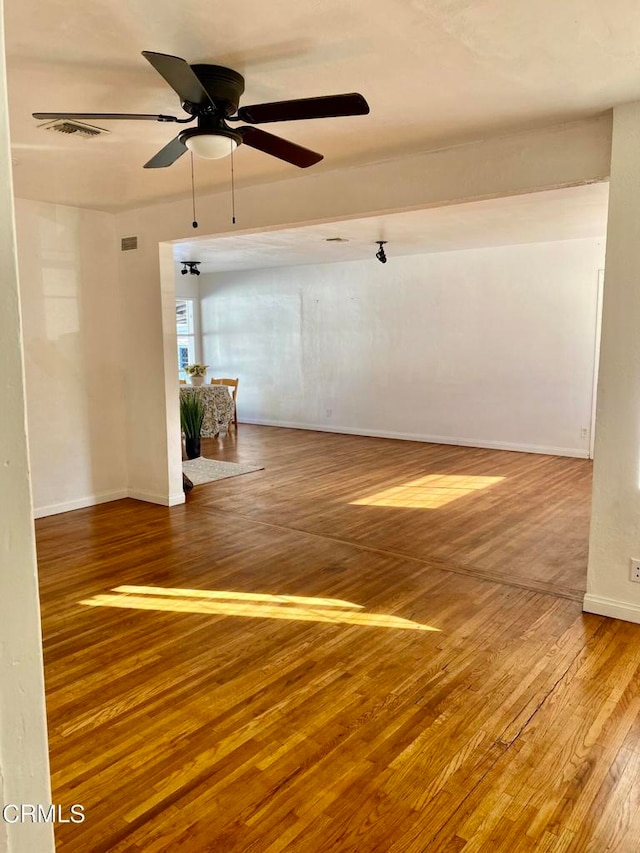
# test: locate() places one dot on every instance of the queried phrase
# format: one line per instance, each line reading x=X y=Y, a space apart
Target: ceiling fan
x=211 y=94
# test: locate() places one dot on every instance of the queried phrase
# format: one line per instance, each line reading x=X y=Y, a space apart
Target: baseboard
x=429 y=439
x=105 y=497
x=151 y=497
x=79 y=503
x=610 y=607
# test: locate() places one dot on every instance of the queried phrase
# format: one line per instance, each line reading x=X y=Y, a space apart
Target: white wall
x=490 y=347
x=187 y=286
x=615 y=520
x=73 y=355
x=24 y=765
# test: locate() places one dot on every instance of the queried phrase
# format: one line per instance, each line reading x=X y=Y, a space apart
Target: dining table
x=218 y=407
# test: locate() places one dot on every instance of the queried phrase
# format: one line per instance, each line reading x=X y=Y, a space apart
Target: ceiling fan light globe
x=211 y=146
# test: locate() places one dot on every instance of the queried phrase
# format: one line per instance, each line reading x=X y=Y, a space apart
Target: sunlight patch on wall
x=430 y=492
x=255 y=605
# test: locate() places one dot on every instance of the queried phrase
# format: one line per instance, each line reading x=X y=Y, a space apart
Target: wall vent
x=76 y=128
x=128 y=243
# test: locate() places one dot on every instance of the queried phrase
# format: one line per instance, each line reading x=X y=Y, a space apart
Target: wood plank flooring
x=530 y=526
x=277 y=667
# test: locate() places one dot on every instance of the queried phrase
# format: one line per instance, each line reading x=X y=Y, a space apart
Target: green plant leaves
x=191 y=415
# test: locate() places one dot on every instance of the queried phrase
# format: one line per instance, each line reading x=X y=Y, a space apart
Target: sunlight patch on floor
x=237 y=596
x=430 y=492
x=255 y=605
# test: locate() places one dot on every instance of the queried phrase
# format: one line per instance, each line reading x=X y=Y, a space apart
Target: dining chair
x=230 y=383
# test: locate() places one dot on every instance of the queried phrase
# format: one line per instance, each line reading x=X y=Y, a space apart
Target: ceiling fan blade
x=167 y=155
x=329 y=106
x=278 y=147
x=105 y=116
x=180 y=76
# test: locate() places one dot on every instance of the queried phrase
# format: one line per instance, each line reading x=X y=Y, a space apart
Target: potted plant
x=191 y=417
x=196 y=372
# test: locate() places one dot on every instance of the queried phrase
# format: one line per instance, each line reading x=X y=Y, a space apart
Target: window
x=186 y=335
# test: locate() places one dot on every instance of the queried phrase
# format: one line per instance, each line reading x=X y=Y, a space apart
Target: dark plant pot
x=192 y=447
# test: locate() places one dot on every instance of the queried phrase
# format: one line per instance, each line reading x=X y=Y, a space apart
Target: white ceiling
x=564 y=214
x=433 y=71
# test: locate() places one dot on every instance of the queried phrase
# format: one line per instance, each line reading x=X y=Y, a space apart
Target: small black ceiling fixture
x=190 y=267
x=380 y=254
x=210 y=94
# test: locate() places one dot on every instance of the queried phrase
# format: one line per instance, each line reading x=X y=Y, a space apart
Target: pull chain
x=233 y=192
x=193 y=194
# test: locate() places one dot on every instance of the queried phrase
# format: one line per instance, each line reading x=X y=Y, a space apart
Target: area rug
x=203 y=470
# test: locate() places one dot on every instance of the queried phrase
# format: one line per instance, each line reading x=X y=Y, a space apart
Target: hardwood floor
x=277 y=667
x=530 y=526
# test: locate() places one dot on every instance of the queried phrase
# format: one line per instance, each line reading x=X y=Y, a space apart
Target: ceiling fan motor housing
x=223 y=85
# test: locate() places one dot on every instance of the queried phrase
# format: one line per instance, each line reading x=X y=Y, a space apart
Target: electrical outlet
x=634 y=573
x=328 y=412
x=583 y=432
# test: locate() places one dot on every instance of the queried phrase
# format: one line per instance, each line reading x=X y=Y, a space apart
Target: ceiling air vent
x=128 y=243
x=76 y=128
